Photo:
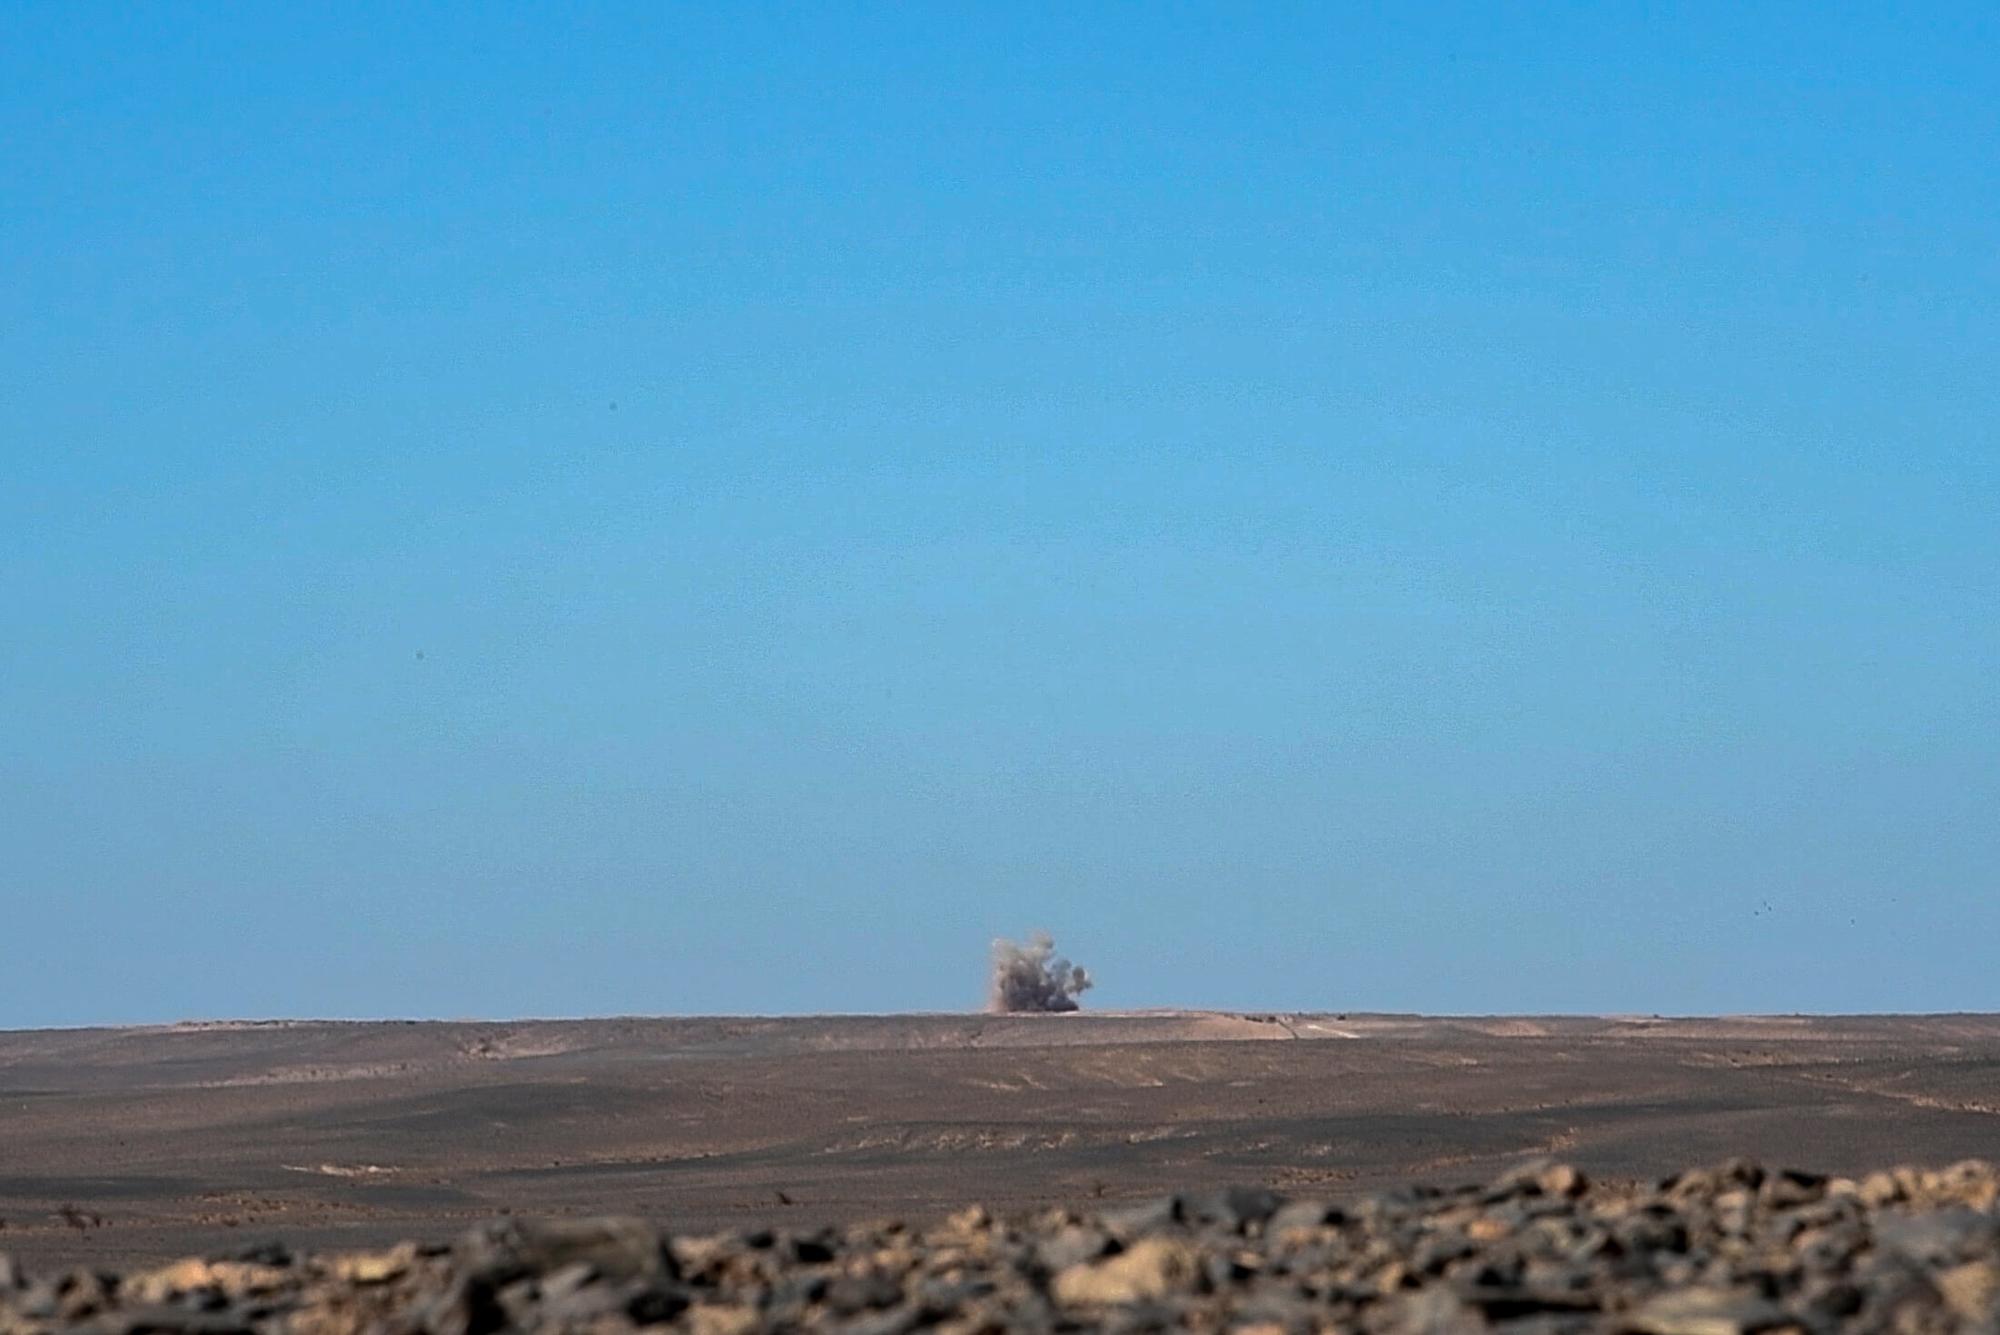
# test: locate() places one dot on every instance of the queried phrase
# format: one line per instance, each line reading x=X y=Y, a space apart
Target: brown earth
x=136 y=1145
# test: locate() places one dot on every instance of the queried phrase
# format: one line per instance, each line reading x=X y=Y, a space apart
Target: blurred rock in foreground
x=1709 y=1252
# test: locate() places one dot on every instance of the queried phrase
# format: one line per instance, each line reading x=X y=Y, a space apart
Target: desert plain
x=121 y=1147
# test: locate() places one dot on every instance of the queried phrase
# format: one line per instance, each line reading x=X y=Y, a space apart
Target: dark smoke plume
x=1032 y=977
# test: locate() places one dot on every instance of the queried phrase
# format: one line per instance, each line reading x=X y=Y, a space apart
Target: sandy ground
x=132 y=1145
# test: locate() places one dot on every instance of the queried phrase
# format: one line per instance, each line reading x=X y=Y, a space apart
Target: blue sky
x=565 y=510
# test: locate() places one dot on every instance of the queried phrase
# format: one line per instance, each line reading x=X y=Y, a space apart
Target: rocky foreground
x=1709 y=1252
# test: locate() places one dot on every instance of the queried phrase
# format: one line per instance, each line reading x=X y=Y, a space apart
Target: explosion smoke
x=1032 y=977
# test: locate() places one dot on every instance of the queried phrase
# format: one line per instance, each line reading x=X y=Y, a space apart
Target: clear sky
x=570 y=509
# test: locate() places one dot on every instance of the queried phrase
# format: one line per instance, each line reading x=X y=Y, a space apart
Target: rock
x=228 y=1277
x=653 y=1303
x=799 y=1290
x=895 y=1322
x=948 y=1294
x=1299 y=1216
x=1235 y=1208
x=850 y=1294
x=1433 y=1254
x=1972 y=1290
x=1699 y=1311
x=721 y=1319
x=271 y=1253
x=565 y=1304
x=1788 y=1188
x=1724 y=1251
x=1830 y=1302
x=1144 y=1217
x=1881 y=1189
x=11 y=1277
x=617 y=1248
x=37 y=1301
x=1700 y=1183
x=373 y=1267
x=1276 y=1309
x=1971 y=1183
x=1937 y=1237
x=81 y=1293
x=1562 y=1180
x=812 y=1250
x=1651 y=1230
x=164 y=1319
x=972 y=1219
x=1435 y=1311
x=1072 y=1246
x=469 y=1307
x=566 y=1280
x=1537 y=1177
x=1512 y=1302
x=1152 y=1268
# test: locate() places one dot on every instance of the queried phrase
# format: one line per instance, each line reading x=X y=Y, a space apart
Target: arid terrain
x=122 y=1146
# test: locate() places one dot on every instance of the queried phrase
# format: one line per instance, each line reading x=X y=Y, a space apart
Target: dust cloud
x=1030 y=976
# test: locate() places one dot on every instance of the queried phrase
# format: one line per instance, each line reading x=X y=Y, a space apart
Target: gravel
x=1716 y=1251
